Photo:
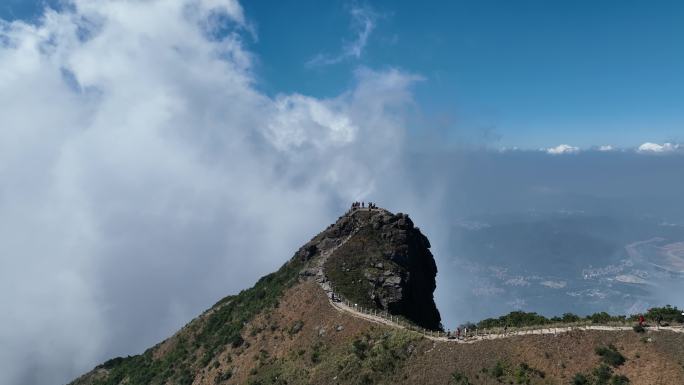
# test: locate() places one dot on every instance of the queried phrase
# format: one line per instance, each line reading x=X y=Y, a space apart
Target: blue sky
x=525 y=73
x=538 y=73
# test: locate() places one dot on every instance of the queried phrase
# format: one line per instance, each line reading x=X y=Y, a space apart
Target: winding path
x=377 y=317
x=435 y=336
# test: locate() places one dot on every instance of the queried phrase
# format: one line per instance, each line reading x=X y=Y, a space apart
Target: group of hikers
x=457 y=333
x=658 y=320
x=362 y=205
x=463 y=333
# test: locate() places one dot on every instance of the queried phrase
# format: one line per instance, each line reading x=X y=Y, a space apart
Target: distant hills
x=556 y=262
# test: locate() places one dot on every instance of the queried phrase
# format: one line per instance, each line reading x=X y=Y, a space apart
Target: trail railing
x=484 y=333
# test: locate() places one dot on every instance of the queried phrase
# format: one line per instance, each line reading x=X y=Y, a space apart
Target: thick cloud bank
x=143 y=176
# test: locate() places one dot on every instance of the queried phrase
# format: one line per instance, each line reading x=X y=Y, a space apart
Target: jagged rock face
x=379 y=260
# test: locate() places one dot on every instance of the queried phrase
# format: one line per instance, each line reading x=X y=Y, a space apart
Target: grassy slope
x=179 y=358
x=303 y=340
x=284 y=332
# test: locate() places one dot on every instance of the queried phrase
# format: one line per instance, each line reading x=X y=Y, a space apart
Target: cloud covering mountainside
x=144 y=175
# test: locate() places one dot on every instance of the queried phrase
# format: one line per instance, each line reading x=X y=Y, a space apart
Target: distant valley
x=566 y=261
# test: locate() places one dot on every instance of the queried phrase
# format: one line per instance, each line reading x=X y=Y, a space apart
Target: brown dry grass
x=558 y=357
x=653 y=358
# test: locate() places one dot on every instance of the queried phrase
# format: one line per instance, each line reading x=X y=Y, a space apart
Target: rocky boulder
x=381 y=260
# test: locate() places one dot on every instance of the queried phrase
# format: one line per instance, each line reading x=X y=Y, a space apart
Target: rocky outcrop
x=378 y=259
x=406 y=284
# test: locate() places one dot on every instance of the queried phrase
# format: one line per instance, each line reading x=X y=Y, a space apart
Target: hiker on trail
x=659 y=319
x=458 y=333
x=641 y=320
x=505 y=329
x=362 y=203
x=465 y=332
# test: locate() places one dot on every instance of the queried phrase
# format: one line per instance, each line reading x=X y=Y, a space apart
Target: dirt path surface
x=374 y=316
x=476 y=338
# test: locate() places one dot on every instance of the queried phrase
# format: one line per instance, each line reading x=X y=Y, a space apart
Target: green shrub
x=360 y=348
x=610 y=355
x=109 y=364
x=514 y=319
x=600 y=318
x=458 y=378
x=522 y=376
x=580 y=379
x=221 y=377
x=668 y=314
x=296 y=327
x=498 y=370
x=619 y=380
x=371 y=358
x=185 y=378
x=316 y=353
x=518 y=318
x=639 y=329
x=602 y=374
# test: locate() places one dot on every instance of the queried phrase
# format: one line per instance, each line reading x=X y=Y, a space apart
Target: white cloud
x=300 y=119
x=562 y=149
x=517 y=281
x=606 y=148
x=363 y=24
x=649 y=147
x=554 y=284
x=231 y=8
x=487 y=290
x=517 y=303
x=363 y=21
x=123 y=119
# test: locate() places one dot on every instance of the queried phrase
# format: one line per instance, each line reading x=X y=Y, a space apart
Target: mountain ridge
x=286 y=329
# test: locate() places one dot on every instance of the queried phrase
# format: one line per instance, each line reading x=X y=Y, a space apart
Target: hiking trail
x=375 y=316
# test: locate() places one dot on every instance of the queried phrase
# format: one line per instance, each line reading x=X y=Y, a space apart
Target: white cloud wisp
x=363 y=24
x=655 y=148
x=562 y=149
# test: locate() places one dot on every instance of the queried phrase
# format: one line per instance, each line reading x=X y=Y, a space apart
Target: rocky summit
x=378 y=260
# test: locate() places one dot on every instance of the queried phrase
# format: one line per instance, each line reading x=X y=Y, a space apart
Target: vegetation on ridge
x=220 y=326
x=524 y=319
x=603 y=374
